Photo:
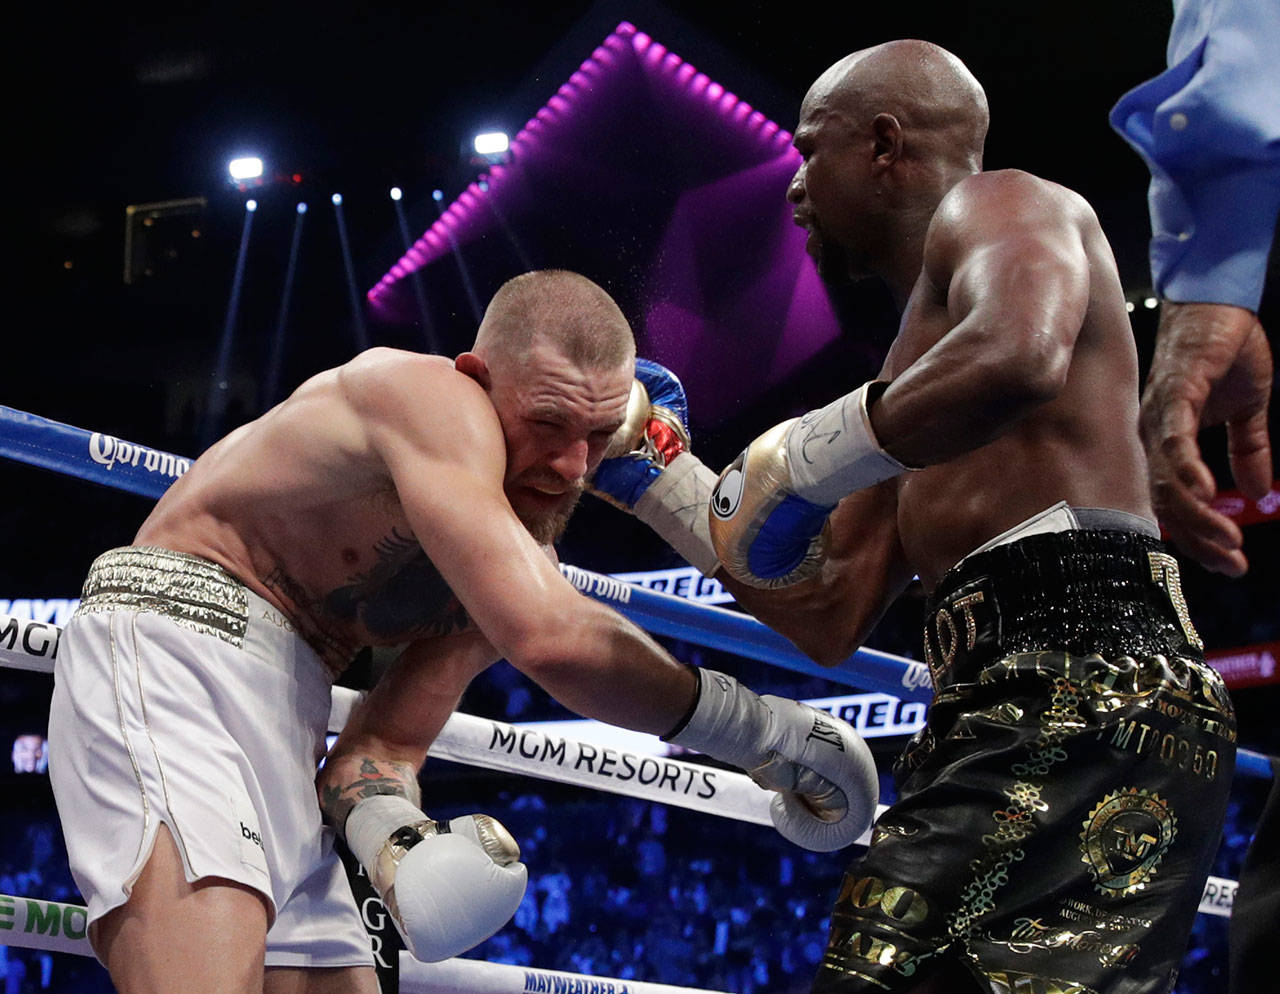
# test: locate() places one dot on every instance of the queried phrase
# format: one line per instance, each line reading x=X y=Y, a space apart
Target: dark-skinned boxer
x=1058 y=815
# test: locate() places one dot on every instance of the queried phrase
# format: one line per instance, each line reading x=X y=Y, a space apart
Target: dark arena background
x=650 y=151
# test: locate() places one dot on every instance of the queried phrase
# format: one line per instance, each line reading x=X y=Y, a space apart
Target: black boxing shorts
x=1059 y=813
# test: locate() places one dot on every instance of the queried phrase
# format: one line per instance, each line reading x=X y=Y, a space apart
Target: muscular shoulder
x=1004 y=208
x=420 y=402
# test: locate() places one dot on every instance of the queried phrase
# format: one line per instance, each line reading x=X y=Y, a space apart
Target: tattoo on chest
x=402 y=595
x=296 y=593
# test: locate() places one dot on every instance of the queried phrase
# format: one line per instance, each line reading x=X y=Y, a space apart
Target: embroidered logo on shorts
x=1124 y=839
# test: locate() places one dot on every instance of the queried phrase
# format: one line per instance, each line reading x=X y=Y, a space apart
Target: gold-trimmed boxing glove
x=769 y=508
x=820 y=766
x=447 y=885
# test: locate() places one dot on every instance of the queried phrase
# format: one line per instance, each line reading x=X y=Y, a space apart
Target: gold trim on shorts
x=192 y=592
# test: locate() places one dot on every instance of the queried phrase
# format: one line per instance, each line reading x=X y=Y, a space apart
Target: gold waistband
x=193 y=592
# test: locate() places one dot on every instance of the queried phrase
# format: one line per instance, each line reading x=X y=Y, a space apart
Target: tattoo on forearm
x=340 y=793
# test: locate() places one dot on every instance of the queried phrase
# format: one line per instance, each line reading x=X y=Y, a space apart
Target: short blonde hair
x=561 y=307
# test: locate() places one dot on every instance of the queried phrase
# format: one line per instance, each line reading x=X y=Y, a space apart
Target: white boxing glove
x=822 y=769
x=448 y=887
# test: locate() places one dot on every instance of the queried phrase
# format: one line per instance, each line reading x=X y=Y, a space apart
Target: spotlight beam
x=415 y=278
x=507 y=230
x=272 y=387
x=462 y=264
x=357 y=312
x=218 y=388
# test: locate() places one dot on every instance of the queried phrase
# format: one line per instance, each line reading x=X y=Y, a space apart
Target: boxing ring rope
x=112 y=462
x=495 y=745
x=464 y=976
x=31 y=645
x=61 y=928
x=141 y=470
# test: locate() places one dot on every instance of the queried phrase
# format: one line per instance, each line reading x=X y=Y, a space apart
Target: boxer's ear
x=470 y=364
x=887 y=132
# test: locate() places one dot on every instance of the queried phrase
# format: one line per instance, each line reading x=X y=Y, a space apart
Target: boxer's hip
x=1111 y=593
x=198 y=595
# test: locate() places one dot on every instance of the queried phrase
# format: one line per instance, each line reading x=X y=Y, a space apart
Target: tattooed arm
x=350 y=778
x=369 y=792
x=386 y=739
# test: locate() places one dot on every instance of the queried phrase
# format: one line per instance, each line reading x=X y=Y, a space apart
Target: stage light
x=437 y=195
x=251 y=205
x=1150 y=303
x=396 y=194
x=245 y=168
x=491 y=143
x=337 y=199
x=1128 y=306
x=302 y=207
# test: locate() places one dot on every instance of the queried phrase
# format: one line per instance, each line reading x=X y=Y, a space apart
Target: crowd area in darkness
x=617 y=888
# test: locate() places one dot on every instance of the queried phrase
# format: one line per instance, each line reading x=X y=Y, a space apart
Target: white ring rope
x=30 y=923
x=496 y=745
x=466 y=976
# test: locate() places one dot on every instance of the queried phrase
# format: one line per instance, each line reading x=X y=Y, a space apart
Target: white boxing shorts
x=183 y=698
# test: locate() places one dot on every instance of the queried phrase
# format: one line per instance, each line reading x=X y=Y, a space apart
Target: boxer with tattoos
x=399 y=500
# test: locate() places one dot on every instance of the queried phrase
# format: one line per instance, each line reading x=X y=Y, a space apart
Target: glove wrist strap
x=833 y=451
x=675 y=506
x=729 y=722
x=380 y=830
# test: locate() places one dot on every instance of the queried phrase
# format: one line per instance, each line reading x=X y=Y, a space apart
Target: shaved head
x=935 y=98
x=560 y=308
x=883 y=135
